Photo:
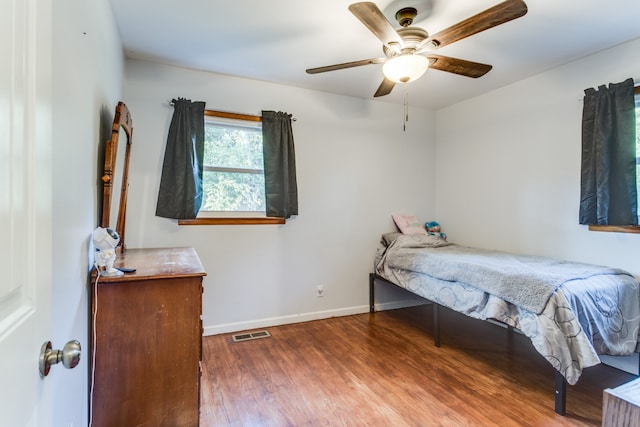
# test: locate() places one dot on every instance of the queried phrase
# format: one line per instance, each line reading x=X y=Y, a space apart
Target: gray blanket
x=526 y=281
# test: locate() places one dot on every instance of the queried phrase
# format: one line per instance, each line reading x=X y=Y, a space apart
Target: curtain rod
x=230 y=115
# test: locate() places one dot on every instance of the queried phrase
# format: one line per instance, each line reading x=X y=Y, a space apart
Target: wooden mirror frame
x=122 y=119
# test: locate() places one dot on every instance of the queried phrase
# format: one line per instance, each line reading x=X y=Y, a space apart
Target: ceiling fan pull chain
x=406 y=111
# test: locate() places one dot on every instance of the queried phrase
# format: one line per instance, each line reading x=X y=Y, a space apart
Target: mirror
x=116 y=173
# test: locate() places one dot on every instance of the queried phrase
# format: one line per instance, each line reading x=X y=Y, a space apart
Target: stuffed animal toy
x=433 y=228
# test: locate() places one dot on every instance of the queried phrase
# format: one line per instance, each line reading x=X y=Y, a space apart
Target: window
x=233 y=176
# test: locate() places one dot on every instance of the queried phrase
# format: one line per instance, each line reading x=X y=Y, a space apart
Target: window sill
x=232 y=221
x=616 y=228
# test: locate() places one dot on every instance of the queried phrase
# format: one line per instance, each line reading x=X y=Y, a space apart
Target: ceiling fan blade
x=369 y=14
x=385 y=88
x=458 y=66
x=492 y=17
x=346 y=65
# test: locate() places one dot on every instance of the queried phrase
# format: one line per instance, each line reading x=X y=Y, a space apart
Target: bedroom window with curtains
x=610 y=171
x=248 y=174
x=246 y=171
x=610 y=193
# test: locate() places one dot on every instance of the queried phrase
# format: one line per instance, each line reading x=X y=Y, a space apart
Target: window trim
x=235 y=116
x=616 y=228
x=232 y=220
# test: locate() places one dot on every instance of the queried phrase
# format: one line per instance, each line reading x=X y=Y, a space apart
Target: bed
x=571 y=312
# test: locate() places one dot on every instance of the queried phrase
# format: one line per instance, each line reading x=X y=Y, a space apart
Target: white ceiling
x=277 y=40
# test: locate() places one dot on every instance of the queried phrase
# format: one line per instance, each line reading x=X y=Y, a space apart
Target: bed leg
x=561 y=393
x=436 y=324
x=510 y=337
x=372 y=307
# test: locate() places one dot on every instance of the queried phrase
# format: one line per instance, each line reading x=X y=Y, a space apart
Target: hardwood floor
x=383 y=370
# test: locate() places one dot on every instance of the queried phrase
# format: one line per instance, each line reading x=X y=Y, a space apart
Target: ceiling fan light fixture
x=405 y=68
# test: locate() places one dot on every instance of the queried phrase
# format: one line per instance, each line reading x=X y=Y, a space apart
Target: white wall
x=508 y=165
x=87 y=84
x=355 y=166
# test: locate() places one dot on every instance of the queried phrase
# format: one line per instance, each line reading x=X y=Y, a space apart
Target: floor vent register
x=250 y=336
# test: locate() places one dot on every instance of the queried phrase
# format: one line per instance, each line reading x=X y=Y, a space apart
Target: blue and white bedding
x=571 y=312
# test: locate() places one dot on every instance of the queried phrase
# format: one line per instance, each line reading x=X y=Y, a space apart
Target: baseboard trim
x=630 y=364
x=282 y=320
x=303 y=317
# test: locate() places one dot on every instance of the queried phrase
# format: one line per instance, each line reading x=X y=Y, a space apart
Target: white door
x=25 y=208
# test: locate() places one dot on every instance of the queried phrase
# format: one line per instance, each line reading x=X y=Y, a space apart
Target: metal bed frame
x=560 y=382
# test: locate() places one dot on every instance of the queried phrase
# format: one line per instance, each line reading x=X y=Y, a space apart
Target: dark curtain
x=281 y=189
x=608 y=180
x=180 y=195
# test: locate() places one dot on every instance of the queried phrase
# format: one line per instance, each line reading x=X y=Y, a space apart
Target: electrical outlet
x=319 y=291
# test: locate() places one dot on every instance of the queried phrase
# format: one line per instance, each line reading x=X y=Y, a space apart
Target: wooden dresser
x=148 y=340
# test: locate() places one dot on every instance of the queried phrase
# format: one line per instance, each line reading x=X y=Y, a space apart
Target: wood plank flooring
x=383 y=370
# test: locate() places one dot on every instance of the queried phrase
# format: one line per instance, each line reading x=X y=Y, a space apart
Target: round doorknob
x=69 y=356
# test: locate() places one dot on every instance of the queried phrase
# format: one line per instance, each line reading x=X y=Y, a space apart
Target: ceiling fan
x=408 y=49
